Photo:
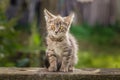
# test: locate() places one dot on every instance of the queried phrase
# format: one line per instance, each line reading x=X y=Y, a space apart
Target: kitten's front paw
x=64 y=69
x=52 y=69
x=70 y=69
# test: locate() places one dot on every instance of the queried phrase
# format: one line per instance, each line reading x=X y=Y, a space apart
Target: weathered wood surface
x=42 y=74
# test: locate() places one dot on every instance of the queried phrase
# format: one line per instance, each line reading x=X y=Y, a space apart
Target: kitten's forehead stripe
x=59 y=19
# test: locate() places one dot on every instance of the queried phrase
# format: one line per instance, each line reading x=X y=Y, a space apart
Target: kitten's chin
x=55 y=36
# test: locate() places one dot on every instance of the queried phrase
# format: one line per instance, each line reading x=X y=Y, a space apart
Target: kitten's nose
x=56 y=32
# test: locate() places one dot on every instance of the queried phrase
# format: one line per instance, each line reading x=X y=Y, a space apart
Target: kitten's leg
x=71 y=65
x=65 y=61
x=52 y=60
x=67 y=64
x=73 y=61
x=64 y=65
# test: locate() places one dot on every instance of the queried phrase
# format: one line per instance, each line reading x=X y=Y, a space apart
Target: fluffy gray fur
x=62 y=49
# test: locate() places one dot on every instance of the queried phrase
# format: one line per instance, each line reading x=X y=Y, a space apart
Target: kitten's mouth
x=56 y=38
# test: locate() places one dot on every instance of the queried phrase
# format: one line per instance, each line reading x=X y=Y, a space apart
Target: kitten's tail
x=88 y=71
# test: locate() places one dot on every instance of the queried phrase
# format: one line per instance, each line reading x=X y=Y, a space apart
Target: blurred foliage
x=98 y=34
x=98 y=45
x=17 y=47
x=8 y=37
x=88 y=59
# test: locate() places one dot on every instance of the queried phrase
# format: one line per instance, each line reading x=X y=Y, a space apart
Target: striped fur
x=61 y=50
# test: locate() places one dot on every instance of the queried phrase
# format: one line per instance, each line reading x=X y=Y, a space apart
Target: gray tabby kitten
x=61 y=46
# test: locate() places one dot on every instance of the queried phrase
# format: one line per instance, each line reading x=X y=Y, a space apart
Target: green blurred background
x=96 y=28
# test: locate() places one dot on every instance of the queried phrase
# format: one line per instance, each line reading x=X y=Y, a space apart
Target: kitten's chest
x=57 y=47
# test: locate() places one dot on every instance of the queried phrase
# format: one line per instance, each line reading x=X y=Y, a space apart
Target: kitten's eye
x=61 y=28
x=53 y=27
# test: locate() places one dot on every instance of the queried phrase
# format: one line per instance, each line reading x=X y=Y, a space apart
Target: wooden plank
x=43 y=74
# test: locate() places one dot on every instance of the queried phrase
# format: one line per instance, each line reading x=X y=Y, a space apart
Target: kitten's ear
x=69 y=18
x=48 y=15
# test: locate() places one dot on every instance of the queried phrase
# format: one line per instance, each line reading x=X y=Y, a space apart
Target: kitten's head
x=57 y=26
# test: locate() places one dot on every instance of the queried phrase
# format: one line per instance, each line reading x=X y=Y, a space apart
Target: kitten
x=61 y=50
